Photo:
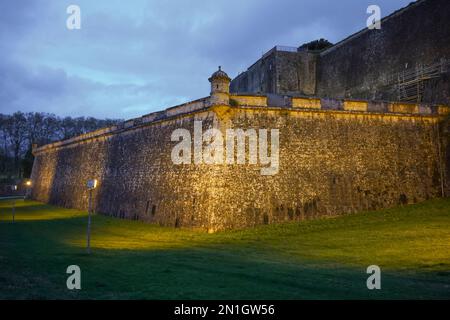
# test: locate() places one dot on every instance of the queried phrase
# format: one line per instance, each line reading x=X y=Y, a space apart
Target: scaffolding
x=410 y=84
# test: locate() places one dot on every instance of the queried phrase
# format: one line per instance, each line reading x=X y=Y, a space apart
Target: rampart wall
x=336 y=157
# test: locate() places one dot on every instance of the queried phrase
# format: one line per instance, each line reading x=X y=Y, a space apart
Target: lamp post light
x=14 y=187
x=14 y=211
x=91 y=185
x=28 y=185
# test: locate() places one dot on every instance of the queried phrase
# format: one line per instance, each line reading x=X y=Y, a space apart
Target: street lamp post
x=14 y=211
x=28 y=189
x=14 y=206
x=91 y=185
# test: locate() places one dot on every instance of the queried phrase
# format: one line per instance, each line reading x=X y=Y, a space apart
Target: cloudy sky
x=133 y=57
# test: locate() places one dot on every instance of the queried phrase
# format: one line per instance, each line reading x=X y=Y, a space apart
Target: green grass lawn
x=317 y=259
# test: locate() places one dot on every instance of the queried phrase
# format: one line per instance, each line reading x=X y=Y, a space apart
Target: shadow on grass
x=35 y=267
x=133 y=260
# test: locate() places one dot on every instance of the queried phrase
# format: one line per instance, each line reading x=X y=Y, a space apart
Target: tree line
x=20 y=130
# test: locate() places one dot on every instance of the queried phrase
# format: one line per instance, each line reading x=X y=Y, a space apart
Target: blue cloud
x=133 y=58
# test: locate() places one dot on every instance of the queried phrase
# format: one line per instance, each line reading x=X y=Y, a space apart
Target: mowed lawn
x=315 y=259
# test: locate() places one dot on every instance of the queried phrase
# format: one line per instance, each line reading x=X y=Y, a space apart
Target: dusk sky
x=134 y=57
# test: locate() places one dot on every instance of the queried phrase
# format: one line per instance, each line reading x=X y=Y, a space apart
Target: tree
x=68 y=127
x=4 y=158
x=317 y=45
x=51 y=130
x=19 y=131
x=16 y=128
x=27 y=163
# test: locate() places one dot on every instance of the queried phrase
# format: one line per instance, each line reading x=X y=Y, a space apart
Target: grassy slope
x=316 y=259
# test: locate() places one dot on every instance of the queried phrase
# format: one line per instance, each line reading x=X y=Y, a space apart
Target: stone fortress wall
x=336 y=156
x=407 y=60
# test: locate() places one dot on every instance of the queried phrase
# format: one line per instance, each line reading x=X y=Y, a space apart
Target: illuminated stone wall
x=330 y=163
x=137 y=179
x=336 y=157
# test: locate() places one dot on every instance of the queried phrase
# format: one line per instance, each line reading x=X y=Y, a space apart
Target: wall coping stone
x=201 y=105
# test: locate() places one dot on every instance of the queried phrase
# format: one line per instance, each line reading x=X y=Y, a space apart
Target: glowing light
x=92 y=184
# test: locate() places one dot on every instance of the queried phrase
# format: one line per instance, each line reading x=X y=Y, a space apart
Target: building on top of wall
x=408 y=59
x=281 y=70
